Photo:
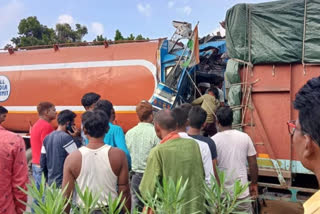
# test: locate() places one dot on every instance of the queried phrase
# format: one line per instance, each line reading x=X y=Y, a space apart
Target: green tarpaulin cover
x=234 y=92
x=274 y=32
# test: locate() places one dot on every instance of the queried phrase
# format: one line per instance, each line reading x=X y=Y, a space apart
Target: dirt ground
x=281 y=207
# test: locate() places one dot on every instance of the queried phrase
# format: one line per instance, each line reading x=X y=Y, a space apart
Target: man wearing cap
x=140 y=140
x=203 y=87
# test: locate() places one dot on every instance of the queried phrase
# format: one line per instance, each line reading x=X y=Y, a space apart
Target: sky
x=151 y=18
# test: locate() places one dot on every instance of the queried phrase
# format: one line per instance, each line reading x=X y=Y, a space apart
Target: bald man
x=175 y=158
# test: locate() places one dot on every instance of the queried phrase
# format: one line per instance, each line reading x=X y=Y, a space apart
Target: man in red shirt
x=13 y=168
x=47 y=113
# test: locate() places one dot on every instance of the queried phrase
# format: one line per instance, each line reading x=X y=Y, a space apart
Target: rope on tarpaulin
x=304 y=64
x=243 y=62
x=248 y=68
x=245 y=83
x=304 y=36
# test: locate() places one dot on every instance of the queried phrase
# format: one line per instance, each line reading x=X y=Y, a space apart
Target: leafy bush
x=220 y=200
x=168 y=198
x=50 y=200
x=90 y=203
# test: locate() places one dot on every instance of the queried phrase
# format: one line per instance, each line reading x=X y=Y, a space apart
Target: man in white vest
x=98 y=166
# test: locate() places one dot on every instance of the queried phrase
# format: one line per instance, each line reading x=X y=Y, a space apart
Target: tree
x=100 y=38
x=118 y=36
x=66 y=34
x=140 y=37
x=7 y=47
x=131 y=37
x=31 y=32
x=81 y=31
x=30 y=27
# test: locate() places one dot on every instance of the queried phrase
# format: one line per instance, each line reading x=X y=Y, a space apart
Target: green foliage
x=115 y=206
x=220 y=200
x=30 y=27
x=168 y=198
x=81 y=31
x=140 y=37
x=65 y=34
x=131 y=37
x=50 y=200
x=118 y=37
x=7 y=46
x=90 y=203
x=32 y=32
x=100 y=38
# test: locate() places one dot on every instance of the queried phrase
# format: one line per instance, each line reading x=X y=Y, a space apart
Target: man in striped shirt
x=140 y=140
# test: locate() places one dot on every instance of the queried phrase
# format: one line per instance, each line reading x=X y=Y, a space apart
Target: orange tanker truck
x=123 y=73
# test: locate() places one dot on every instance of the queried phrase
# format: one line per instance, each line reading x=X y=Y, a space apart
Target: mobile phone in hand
x=69 y=127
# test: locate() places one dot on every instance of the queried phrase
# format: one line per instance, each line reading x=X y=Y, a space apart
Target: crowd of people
x=189 y=142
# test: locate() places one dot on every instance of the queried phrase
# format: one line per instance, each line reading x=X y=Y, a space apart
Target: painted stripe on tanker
x=90 y=64
x=33 y=109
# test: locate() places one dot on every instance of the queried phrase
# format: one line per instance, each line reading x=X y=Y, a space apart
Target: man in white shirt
x=182 y=121
x=234 y=149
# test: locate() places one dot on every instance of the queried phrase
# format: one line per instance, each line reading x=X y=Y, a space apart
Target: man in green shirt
x=140 y=140
x=175 y=158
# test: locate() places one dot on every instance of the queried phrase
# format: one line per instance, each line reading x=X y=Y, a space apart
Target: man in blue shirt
x=115 y=136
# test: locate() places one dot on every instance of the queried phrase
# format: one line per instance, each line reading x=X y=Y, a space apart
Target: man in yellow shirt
x=209 y=102
x=306 y=135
